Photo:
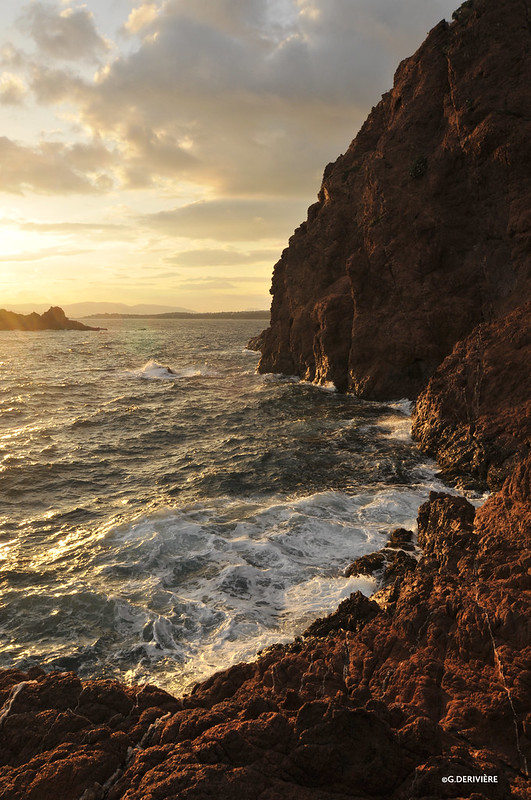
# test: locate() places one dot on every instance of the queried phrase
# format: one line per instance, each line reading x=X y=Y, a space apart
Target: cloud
x=68 y=34
x=210 y=257
x=12 y=90
x=160 y=276
x=242 y=96
x=227 y=219
x=141 y=17
x=10 y=56
x=53 y=168
x=54 y=85
x=104 y=231
x=51 y=252
x=150 y=154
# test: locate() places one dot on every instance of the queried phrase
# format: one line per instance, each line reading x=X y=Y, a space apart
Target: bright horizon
x=155 y=153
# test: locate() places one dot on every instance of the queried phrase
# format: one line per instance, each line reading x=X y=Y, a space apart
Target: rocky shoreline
x=384 y=698
x=424 y=690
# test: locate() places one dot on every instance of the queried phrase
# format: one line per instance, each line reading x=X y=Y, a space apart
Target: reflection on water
x=166 y=511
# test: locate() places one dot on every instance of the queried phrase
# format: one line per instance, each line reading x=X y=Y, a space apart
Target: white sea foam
x=279 y=377
x=208 y=586
x=152 y=370
x=397 y=427
x=404 y=406
x=327 y=386
x=106 y=579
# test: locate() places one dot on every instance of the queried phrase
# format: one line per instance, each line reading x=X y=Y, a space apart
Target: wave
x=152 y=370
x=403 y=406
x=109 y=578
x=181 y=593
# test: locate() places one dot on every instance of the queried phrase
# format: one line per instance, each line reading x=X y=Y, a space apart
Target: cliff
x=54 y=319
x=422 y=228
x=415 y=262
x=474 y=415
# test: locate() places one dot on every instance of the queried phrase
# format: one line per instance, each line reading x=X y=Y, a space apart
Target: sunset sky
x=163 y=152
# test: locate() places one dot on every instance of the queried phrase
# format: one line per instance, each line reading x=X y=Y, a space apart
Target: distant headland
x=186 y=315
x=54 y=319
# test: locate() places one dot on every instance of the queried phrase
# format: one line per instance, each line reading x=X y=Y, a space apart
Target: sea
x=166 y=512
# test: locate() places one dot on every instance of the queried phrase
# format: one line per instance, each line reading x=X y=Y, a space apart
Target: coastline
x=383 y=698
x=424 y=689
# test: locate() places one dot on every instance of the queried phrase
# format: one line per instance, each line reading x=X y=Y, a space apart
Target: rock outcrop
x=422 y=229
x=54 y=319
x=379 y=701
x=257 y=342
x=419 y=242
x=474 y=416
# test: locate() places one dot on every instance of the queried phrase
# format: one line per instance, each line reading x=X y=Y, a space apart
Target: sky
x=164 y=151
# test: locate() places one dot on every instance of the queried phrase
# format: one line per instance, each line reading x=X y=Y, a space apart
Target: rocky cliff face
x=422 y=229
x=474 y=415
x=420 y=236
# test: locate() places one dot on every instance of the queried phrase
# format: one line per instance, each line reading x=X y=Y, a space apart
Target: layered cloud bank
x=182 y=123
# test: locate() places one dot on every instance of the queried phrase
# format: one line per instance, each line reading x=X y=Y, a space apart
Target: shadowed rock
x=474 y=415
x=54 y=319
x=420 y=233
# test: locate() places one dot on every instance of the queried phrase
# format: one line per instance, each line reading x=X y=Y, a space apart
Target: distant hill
x=186 y=315
x=91 y=308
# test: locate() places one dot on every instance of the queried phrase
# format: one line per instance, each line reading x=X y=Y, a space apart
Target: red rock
x=352 y=615
x=440 y=685
x=421 y=230
x=60 y=738
x=430 y=678
x=474 y=415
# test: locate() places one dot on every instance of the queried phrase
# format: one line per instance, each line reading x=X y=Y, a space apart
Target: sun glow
x=12 y=241
x=134 y=133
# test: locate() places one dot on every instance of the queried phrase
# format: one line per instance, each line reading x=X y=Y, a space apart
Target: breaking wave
x=161 y=527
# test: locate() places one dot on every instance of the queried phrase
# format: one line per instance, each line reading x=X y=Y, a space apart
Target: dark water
x=165 y=511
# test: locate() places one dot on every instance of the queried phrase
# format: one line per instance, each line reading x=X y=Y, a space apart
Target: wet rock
x=399 y=564
x=446 y=528
x=401 y=538
x=256 y=342
x=388 y=564
x=366 y=565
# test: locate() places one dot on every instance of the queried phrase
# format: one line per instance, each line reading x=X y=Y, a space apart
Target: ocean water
x=166 y=512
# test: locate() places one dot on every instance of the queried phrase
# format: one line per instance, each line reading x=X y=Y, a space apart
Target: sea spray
x=168 y=512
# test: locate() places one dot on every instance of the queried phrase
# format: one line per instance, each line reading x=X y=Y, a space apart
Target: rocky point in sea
x=54 y=319
x=410 y=277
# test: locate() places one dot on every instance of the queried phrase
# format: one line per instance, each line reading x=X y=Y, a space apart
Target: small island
x=54 y=319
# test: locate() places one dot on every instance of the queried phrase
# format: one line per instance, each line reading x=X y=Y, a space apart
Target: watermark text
x=470 y=779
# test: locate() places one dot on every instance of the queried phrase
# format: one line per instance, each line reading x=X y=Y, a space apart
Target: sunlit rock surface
x=422 y=228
